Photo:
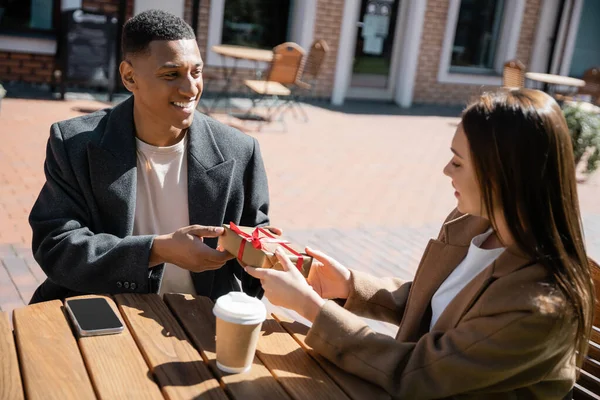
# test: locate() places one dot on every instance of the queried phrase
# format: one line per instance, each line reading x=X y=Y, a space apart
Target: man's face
x=166 y=82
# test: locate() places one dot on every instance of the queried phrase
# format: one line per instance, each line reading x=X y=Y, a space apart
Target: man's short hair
x=151 y=25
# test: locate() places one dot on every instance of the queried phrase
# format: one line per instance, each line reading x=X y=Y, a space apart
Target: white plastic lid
x=239 y=308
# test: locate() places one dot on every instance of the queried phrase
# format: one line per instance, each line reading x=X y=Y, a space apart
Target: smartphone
x=93 y=316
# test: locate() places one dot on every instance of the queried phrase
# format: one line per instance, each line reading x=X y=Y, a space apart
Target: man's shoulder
x=225 y=134
x=85 y=124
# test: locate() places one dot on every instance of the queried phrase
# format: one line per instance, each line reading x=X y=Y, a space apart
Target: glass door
x=374 y=53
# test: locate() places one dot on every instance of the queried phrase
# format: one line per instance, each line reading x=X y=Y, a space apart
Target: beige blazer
x=507 y=335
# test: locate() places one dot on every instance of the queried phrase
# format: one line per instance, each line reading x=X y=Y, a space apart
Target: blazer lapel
x=209 y=185
x=464 y=300
x=437 y=263
x=441 y=257
x=209 y=175
x=509 y=261
x=113 y=171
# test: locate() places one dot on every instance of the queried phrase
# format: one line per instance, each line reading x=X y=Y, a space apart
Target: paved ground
x=363 y=183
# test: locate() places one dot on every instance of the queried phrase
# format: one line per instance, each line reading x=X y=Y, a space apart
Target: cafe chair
x=310 y=74
x=592 y=85
x=591 y=88
x=283 y=72
x=513 y=74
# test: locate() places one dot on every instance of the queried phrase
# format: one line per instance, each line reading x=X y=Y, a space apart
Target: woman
x=501 y=305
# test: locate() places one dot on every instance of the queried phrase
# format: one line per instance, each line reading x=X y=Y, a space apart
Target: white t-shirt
x=162 y=202
x=476 y=260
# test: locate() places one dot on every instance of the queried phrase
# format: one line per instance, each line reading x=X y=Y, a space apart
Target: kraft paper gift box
x=255 y=247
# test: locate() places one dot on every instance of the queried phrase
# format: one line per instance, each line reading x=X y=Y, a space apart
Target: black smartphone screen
x=94 y=314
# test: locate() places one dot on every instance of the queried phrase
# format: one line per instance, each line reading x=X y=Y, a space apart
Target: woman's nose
x=446 y=170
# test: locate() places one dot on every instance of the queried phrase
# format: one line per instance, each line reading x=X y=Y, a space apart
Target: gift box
x=255 y=247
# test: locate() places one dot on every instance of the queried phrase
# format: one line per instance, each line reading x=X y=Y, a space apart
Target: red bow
x=257 y=242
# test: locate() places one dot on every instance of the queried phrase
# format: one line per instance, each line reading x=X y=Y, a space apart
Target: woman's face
x=464 y=180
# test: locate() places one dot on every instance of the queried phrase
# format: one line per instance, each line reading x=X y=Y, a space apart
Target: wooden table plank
x=116 y=366
x=297 y=372
x=355 y=387
x=51 y=365
x=195 y=314
x=177 y=366
x=10 y=377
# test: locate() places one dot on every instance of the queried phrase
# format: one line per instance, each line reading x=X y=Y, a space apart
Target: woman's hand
x=288 y=288
x=329 y=278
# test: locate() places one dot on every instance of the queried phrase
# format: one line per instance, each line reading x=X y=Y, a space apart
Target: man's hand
x=185 y=248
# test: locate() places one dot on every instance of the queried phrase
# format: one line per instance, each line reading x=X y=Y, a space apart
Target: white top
x=476 y=260
x=161 y=205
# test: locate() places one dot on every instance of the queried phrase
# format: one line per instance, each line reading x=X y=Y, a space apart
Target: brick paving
x=363 y=183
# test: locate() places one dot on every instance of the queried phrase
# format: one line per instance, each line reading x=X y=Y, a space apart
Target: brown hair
x=523 y=156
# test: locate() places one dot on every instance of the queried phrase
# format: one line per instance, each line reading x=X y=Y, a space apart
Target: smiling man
x=135 y=195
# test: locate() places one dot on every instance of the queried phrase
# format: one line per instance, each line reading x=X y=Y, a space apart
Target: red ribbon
x=257 y=242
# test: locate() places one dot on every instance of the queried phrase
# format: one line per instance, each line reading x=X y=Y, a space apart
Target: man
x=135 y=195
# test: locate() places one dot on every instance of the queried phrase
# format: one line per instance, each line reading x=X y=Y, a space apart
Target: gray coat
x=82 y=221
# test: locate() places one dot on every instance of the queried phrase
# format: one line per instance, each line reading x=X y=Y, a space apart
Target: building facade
x=405 y=51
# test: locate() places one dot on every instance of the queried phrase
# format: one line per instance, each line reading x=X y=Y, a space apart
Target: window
x=261 y=24
x=480 y=36
x=477 y=35
x=28 y=15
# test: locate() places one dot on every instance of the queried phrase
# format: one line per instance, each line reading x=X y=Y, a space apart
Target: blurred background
x=404 y=51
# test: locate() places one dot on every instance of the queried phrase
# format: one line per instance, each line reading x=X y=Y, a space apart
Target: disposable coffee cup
x=239 y=319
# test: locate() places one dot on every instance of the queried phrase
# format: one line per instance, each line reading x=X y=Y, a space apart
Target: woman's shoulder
x=530 y=289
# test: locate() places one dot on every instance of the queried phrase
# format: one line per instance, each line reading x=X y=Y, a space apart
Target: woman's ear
x=127 y=75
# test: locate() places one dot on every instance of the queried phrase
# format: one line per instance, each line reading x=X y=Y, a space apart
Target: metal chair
x=208 y=78
x=513 y=74
x=592 y=84
x=310 y=74
x=284 y=70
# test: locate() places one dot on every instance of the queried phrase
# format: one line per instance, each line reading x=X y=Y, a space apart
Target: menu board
x=88 y=49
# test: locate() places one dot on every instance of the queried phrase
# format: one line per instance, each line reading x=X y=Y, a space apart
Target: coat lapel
x=441 y=257
x=509 y=261
x=437 y=263
x=460 y=232
x=209 y=175
x=113 y=171
x=209 y=185
x=464 y=300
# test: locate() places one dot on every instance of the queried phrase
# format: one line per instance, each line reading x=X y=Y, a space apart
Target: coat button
x=126 y=285
x=119 y=284
x=132 y=286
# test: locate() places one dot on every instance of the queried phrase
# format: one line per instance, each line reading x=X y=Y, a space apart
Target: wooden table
x=167 y=350
x=243 y=53
x=551 y=81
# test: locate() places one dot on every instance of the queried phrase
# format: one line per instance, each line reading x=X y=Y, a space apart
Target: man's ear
x=127 y=75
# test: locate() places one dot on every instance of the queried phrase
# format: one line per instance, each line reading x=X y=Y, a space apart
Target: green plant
x=584 y=124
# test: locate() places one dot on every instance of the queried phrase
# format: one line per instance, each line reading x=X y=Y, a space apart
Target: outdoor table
x=552 y=81
x=167 y=350
x=236 y=53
